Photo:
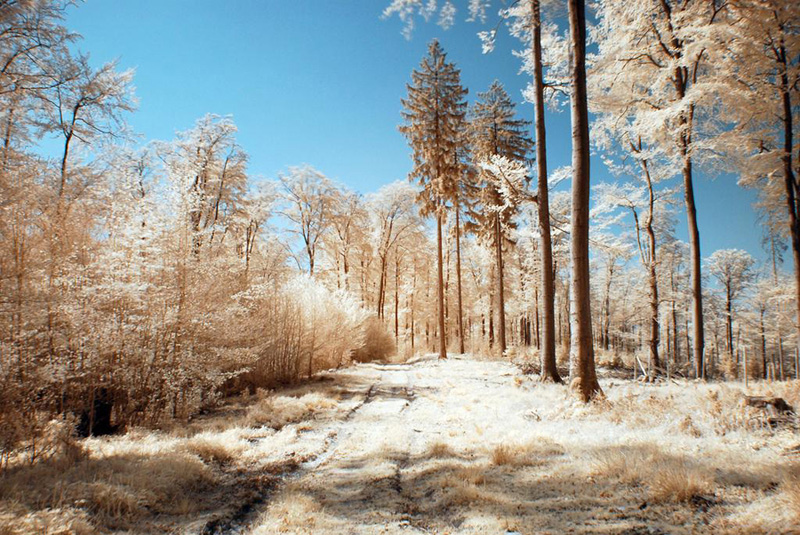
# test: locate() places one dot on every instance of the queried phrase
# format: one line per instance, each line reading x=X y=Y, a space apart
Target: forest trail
x=456 y=446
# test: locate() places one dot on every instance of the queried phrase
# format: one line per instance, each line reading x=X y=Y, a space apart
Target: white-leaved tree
x=733 y=271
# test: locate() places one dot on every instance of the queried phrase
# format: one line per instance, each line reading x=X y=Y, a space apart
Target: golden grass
x=440 y=450
x=462 y=487
x=790 y=489
x=667 y=479
x=524 y=454
x=630 y=466
x=213 y=449
x=49 y=522
x=292 y=512
x=279 y=411
x=117 y=489
x=677 y=482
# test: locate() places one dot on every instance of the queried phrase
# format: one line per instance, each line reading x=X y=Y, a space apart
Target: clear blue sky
x=320 y=82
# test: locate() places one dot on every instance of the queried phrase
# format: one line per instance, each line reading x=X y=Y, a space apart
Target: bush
x=378 y=344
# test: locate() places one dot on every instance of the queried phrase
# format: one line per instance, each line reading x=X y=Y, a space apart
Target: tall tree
x=581 y=310
x=497 y=132
x=763 y=91
x=308 y=203
x=434 y=113
x=654 y=56
x=733 y=270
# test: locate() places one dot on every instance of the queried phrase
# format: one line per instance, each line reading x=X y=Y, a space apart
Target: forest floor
x=457 y=446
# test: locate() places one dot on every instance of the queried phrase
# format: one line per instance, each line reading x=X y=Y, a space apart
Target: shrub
x=378 y=344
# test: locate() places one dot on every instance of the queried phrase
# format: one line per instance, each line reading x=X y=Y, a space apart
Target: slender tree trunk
x=607 y=305
x=729 y=329
x=655 y=328
x=763 y=348
x=501 y=301
x=694 y=233
x=581 y=193
x=396 y=295
x=440 y=287
x=791 y=187
x=547 y=301
x=458 y=281
x=676 y=350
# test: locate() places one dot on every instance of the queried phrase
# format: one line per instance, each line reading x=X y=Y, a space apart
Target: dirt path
x=465 y=446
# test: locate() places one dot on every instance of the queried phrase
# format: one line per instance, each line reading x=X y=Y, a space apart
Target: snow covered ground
x=457 y=446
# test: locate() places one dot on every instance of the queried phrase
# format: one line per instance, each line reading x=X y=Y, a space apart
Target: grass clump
x=213 y=448
x=440 y=450
x=278 y=411
x=666 y=479
x=523 y=454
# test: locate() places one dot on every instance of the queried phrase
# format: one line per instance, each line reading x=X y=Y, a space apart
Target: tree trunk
x=581 y=293
x=396 y=295
x=655 y=328
x=458 y=281
x=791 y=187
x=547 y=302
x=440 y=287
x=729 y=328
x=501 y=301
x=676 y=351
x=763 y=348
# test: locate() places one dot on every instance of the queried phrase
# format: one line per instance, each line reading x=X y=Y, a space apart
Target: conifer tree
x=434 y=113
x=496 y=132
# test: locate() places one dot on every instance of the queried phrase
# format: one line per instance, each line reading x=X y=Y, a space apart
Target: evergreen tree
x=496 y=132
x=434 y=113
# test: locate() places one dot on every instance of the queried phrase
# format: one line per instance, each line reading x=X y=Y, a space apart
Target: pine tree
x=434 y=113
x=496 y=132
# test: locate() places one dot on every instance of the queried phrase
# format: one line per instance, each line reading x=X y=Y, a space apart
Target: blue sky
x=320 y=82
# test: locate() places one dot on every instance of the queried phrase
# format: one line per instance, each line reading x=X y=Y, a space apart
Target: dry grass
x=524 y=454
x=214 y=448
x=277 y=411
x=463 y=487
x=49 y=522
x=116 y=490
x=667 y=479
x=292 y=512
x=629 y=465
x=790 y=489
x=440 y=450
x=678 y=482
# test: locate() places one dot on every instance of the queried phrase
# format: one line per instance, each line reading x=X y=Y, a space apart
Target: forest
x=164 y=309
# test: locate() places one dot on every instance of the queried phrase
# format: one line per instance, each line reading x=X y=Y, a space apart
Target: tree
x=653 y=58
x=496 y=132
x=392 y=215
x=434 y=113
x=581 y=310
x=618 y=134
x=764 y=85
x=733 y=270
x=308 y=198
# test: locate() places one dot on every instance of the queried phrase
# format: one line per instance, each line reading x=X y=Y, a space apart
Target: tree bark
x=458 y=281
x=790 y=183
x=588 y=385
x=440 y=287
x=652 y=275
x=501 y=300
x=547 y=302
